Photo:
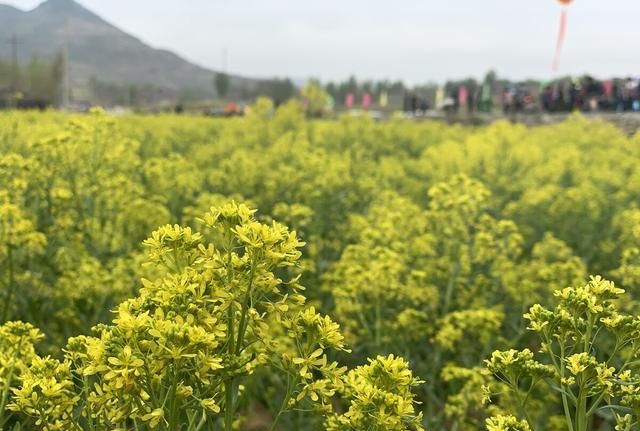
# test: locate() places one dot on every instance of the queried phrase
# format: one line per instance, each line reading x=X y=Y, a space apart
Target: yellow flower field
x=277 y=273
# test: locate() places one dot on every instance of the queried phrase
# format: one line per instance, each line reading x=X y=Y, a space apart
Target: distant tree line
x=278 y=90
x=37 y=84
x=105 y=93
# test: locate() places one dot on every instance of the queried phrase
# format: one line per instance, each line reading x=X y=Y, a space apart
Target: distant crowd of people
x=589 y=94
x=584 y=94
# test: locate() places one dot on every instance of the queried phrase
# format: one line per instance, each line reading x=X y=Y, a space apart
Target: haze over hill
x=98 y=50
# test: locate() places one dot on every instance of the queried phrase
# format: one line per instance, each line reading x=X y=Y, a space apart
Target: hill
x=100 y=52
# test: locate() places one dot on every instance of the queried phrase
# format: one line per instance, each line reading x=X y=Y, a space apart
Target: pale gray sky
x=413 y=40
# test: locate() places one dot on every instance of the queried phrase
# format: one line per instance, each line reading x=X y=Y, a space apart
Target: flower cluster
x=507 y=423
x=380 y=398
x=590 y=349
x=176 y=356
x=176 y=353
x=17 y=351
x=47 y=395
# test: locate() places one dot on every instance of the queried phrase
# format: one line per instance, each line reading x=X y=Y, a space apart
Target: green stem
x=285 y=402
x=231 y=312
x=229 y=384
x=242 y=327
x=85 y=393
x=230 y=333
x=203 y=421
x=595 y=405
x=450 y=287
x=10 y=286
x=173 y=415
x=149 y=384
x=521 y=404
x=228 y=408
x=581 y=408
x=587 y=338
x=5 y=393
x=378 y=334
x=581 y=404
x=565 y=402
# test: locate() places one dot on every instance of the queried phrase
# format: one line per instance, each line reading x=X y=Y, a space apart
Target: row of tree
x=277 y=89
x=38 y=82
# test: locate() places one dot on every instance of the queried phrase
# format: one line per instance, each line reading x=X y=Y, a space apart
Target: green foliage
x=222 y=82
x=315 y=99
x=38 y=80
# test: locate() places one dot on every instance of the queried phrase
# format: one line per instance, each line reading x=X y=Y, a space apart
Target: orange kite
x=561 y=32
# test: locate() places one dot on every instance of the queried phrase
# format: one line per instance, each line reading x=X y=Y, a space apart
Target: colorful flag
x=366 y=100
x=348 y=101
x=384 y=99
x=463 y=95
x=439 y=97
x=330 y=103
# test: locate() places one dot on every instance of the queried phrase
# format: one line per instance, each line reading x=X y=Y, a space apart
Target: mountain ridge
x=100 y=51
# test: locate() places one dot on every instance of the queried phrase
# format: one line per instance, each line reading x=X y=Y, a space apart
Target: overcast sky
x=412 y=40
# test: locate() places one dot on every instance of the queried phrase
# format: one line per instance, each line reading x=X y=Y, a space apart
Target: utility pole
x=224 y=59
x=66 y=85
x=14 y=42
